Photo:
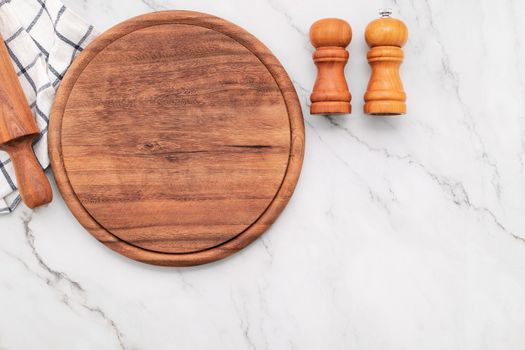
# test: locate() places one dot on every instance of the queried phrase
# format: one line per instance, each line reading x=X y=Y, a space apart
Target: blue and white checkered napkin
x=43 y=38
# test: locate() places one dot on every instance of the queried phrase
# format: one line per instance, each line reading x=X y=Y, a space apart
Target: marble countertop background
x=403 y=233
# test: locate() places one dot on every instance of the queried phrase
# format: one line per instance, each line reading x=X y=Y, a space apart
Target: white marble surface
x=404 y=233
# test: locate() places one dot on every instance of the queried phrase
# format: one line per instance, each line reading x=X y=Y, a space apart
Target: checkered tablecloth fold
x=43 y=37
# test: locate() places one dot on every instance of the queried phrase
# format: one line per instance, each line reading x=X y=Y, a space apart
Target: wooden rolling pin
x=17 y=132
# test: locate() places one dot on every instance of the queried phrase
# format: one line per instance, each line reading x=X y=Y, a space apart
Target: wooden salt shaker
x=330 y=94
x=385 y=94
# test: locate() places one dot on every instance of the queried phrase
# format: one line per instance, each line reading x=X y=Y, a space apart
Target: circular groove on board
x=176 y=138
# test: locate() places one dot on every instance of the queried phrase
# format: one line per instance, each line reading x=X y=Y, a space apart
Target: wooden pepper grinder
x=330 y=94
x=17 y=132
x=385 y=94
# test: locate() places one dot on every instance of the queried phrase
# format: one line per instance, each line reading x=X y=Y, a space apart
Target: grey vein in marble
x=57 y=277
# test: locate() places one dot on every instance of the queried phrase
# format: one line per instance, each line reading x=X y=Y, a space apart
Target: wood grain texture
x=176 y=138
x=330 y=95
x=17 y=132
x=385 y=94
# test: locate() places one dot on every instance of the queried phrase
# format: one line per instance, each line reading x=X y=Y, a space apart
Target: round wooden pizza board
x=176 y=138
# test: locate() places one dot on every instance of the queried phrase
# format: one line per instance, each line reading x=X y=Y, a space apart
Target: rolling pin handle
x=33 y=184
